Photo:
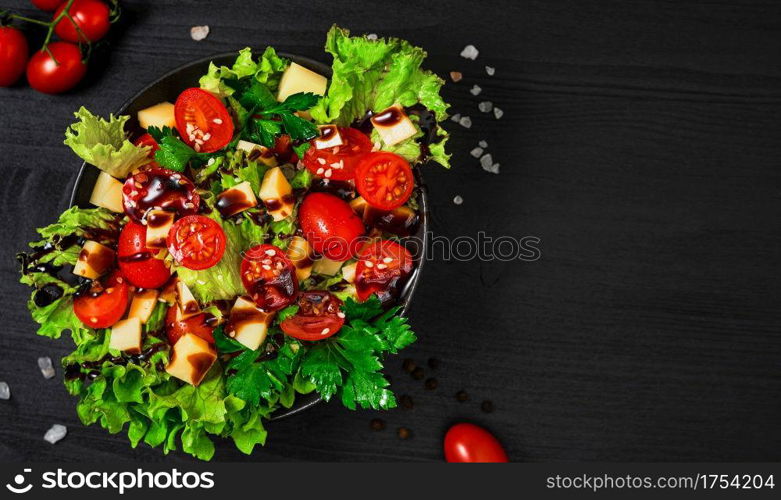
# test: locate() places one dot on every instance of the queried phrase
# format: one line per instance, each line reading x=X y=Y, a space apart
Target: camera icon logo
x=19 y=481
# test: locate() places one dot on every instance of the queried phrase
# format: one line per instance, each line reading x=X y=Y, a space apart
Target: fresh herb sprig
x=173 y=153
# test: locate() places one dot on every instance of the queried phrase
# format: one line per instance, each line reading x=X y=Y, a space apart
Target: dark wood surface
x=641 y=142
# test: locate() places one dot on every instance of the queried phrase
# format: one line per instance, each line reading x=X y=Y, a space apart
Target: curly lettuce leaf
x=104 y=143
x=267 y=70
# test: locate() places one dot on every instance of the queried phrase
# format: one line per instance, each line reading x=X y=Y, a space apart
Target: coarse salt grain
x=482 y=144
x=470 y=52
x=477 y=152
x=490 y=70
x=486 y=160
x=485 y=106
x=371 y=36
x=5 y=391
x=46 y=367
x=498 y=113
x=475 y=90
x=456 y=117
x=465 y=122
x=458 y=200
x=56 y=433
x=198 y=33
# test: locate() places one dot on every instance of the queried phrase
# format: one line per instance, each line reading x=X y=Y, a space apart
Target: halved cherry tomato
x=175 y=326
x=148 y=140
x=202 y=120
x=384 y=180
x=342 y=160
x=196 y=242
x=138 y=263
x=330 y=226
x=155 y=187
x=92 y=17
x=471 y=443
x=318 y=317
x=57 y=70
x=382 y=265
x=269 y=277
x=104 y=304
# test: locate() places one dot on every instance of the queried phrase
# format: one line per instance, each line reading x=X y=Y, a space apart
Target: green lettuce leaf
x=267 y=70
x=104 y=143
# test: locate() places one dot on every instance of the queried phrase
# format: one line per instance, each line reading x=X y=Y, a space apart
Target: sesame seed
x=207 y=136
x=320 y=171
x=321 y=161
x=271 y=252
x=381 y=266
x=328 y=173
x=217 y=121
x=387 y=260
x=325 y=331
x=340 y=314
x=369 y=264
x=266 y=267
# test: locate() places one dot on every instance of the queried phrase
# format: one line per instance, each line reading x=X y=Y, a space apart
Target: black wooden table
x=641 y=142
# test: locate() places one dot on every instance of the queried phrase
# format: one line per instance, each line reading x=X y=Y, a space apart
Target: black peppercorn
x=404 y=433
x=409 y=365
x=377 y=424
x=462 y=396
x=418 y=373
x=431 y=384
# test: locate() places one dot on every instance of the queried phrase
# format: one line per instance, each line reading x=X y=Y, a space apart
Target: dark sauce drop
x=402 y=221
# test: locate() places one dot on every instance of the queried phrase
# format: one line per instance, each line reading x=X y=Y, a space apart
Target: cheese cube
x=348 y=272
x=297 y=78
x=248 y=324
x=359 y=206
x=301 y=254
x=191 y=359
x=107 y=193
x=256 y=152
x=393 y=125
x=327 y=266
x=187 y=303
x=236 y=199
x=168 y=293
x=94 y=260
x=329 y=137
x=160 y=115
x=158 y=223
x=143 y=304
x=126 y=336
x=277 y=194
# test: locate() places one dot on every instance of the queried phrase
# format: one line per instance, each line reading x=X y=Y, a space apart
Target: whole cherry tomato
x=48 y=5
x=330 y=226
x=92 y=17
x=138 y=263
x=54 y=76
x=104 y=304
x=471 y=443
x=14 y=52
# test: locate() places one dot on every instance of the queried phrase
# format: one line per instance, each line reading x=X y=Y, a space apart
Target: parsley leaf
x=255 y=379
x=173 y=153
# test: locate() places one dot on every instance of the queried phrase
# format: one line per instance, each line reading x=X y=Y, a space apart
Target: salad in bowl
x=245 y=244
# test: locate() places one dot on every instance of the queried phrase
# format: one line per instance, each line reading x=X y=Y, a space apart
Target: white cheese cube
x=191 y=358
x=160 y=115
x=277 y=194
x=302 y=255
x=143 y=304
x=236 y=199
x=94 y=260
x=393 y=125
x=297 y=78
x=187 y=303
x=329 y=137
x=256 y=152
x=158 y=223
x=248 y=324
x=107 y=193
x=327 y=266
x=126 y=336
x=348 y=272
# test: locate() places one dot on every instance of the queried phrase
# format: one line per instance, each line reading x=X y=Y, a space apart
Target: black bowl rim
x=303 y=401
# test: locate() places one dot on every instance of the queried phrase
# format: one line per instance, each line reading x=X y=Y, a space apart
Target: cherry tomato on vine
x=471 y=443
x=14 y=53
x=105 y=304
x=196 y=242
x=92 y=17
x=202 y=120
x=269 y=277
x=318 y=317
x=48 y=5
x=138 y=263
x=340 y=160
x=175 y=326
x=54 y=76
x=384 y=180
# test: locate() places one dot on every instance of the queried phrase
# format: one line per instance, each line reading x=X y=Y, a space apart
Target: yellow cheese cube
x=359 y=206
x=348 y=272
x=393 y=125
x=160 y=115
x=329 y=137
x=187 y=303
x=248 y=324
x=297 y=78
x=236 y=199
x=191 y=358
x=277 y=194
x=126 y=336
x=256 y=152
x=143 y=304
x=327 y=266
x=168 y=293
x=158 y=223
x=302 y=255
x=107 y=193
x=94 y=260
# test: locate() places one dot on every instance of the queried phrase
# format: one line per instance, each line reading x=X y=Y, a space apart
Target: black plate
x=167 y=88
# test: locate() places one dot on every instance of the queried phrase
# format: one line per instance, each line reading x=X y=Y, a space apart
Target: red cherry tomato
x=48 y=5
x=381 y=267
x=269 y=277
x=148 y=140
x=92 y=17
x=138 y=263
x=196 y=242
x=175 y=326
x=318 y=317
x=384 y=180
x=103 y=305
x=340 y=160
x=159 y=188
x=202 y=120
x=54 y=76
x=330 y=226
x=14 y=52
x=470 y=443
